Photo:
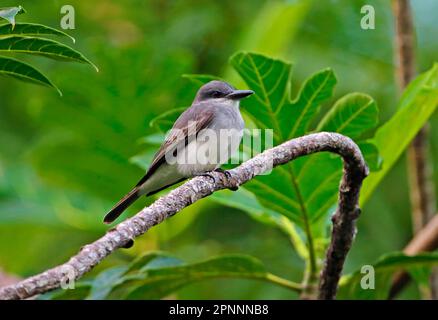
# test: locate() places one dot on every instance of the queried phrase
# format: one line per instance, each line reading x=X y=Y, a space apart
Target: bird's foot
x=224 y=172
x=129 y=244
x=228 y=176
x=205 y=174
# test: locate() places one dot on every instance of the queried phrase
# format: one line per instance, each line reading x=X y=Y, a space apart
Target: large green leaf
x=9 y=14
x=271 y=107
x=48 y=48
x=350 y=115
x=104 y=282
x=30 y=29
x=417 y=104
x=23 y=71
x=305 y=190
x=384 y=269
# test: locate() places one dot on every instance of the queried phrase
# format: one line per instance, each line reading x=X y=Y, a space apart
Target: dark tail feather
x=121 y=206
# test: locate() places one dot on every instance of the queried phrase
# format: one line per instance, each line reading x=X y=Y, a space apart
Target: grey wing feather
x=189 y=123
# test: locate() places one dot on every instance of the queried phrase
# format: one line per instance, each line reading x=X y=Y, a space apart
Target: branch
x=344 y=225
x=354 y=172
x=419 y=168
x=421 y=186
x=404 y=42
x=425 y=240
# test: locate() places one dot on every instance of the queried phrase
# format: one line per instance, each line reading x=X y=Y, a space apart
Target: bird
x=202 y=139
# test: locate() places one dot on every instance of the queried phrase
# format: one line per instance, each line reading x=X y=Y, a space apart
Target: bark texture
x=355 y=170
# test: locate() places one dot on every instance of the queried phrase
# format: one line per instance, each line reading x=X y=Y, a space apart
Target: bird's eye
x=216 y=94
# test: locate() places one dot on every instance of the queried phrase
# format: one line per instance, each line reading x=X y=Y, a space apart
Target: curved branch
x=354 y=172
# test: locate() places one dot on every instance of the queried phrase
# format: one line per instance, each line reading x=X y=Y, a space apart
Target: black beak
x=239 y=94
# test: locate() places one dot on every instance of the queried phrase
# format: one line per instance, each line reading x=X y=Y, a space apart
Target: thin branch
x=354 y=172
x=424 y=241
x=344 y=226
x=404 y=42
x=421 y=186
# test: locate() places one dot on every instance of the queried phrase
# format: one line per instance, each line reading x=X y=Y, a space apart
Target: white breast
x=213 y=146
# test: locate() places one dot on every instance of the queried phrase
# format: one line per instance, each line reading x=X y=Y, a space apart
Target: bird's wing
x=189 y=124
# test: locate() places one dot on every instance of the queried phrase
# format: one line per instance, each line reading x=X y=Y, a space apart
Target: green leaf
x=418 y=103
x=269 y=78
x=31 y=29
x=384 y=269
x=351 y=115
x=153 y=260
x=271 y=107
x=371 y=155
x=9 y=14
x=39 y=46
x=80 y=292
x=158 y=274
x=104 y=282
x=305 y=191
x=24 y=71
x=296 y=118
x=156 y=283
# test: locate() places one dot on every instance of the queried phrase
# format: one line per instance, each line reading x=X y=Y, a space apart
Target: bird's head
x=220 y=90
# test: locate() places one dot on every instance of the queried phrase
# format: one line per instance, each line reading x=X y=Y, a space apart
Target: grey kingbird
x=201 y=140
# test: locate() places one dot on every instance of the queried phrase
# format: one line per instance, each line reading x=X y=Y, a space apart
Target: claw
x=228 y=176
x=225 y=172
x=206 y=175
x=129 y=244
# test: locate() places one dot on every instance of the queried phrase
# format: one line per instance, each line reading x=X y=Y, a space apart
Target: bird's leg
x=128 y=245
x=227 y=175
x=224 y=172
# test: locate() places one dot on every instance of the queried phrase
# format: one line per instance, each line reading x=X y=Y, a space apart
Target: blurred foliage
x=64 y=161
x=419 y=267
x=157 y=274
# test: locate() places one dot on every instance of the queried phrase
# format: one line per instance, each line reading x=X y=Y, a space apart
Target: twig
x=425 y=240
x=421 y=185
x=354 y=172
x=404 y=41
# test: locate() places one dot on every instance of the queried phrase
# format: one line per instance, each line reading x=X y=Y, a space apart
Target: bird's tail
x=122 y=205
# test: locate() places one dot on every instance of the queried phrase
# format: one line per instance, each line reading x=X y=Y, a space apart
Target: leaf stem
x=311 y=275
x=284 y=282
x=295 y=238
